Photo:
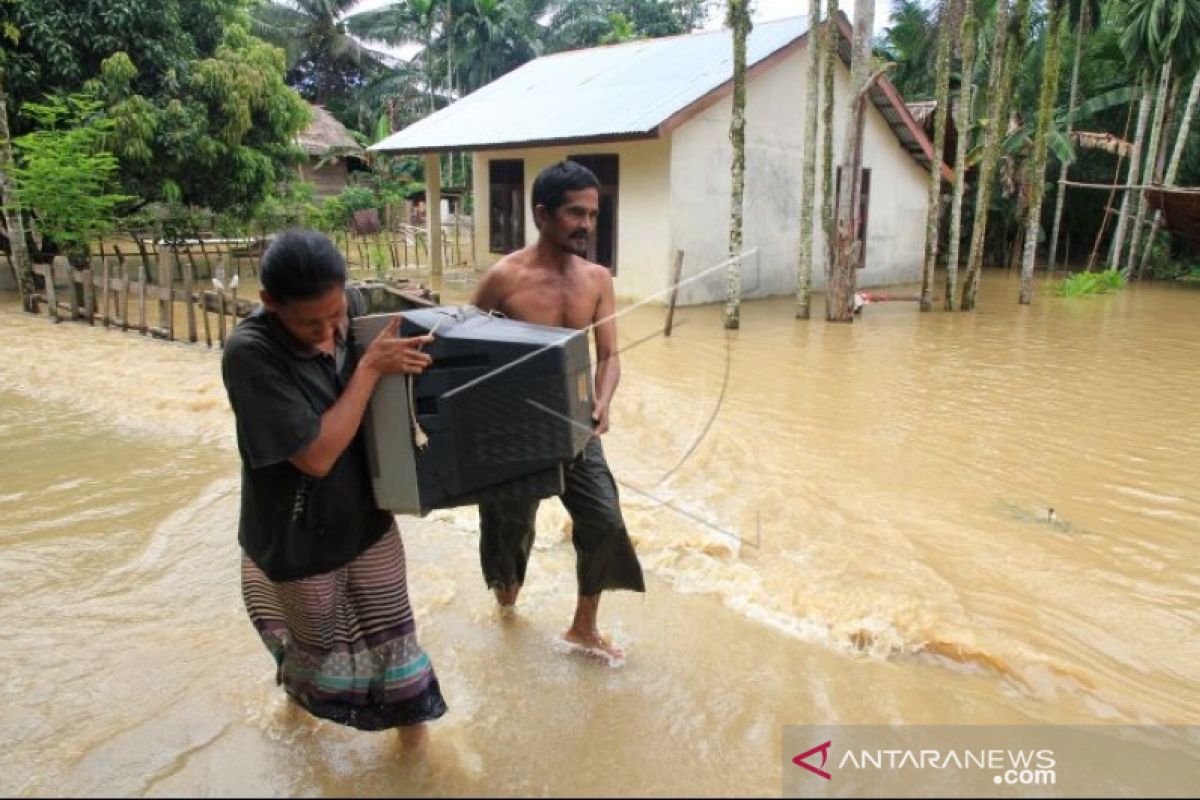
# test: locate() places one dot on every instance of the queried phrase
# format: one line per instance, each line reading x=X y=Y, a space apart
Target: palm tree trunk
x=1160 y=107
x=13 y=222
x=808 y=173
x=739 y=21
x=1072 y=104
x=1135 y=157
x=1181 y=138
x=839 y=296
x=966 y=38
x=1037 y=169
x=828 y=175
x=933 y=214
x=1006 y=55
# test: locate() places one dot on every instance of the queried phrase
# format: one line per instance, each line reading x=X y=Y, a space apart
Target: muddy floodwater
x=925 y=518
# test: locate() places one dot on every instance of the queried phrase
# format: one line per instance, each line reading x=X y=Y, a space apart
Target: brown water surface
x=854 y=526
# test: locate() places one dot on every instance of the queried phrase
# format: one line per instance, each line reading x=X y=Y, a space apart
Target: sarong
x=345 y=643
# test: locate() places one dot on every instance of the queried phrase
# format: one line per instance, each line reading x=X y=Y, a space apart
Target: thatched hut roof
x=325 y=134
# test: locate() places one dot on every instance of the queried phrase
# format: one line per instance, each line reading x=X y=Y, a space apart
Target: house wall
x=643 y=241
x=329 y=180
x=700 y=186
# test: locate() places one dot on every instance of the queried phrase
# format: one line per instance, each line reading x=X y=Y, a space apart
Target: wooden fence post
x=189 y=270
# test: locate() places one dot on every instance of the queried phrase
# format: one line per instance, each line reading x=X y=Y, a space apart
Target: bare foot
x=591 y=643
x=414 y=738
x=506 y=596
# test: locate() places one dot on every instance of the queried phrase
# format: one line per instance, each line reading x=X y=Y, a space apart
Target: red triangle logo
x=823 y=749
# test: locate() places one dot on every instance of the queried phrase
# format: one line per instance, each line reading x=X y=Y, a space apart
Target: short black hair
x=300 y=265
x=551 y=185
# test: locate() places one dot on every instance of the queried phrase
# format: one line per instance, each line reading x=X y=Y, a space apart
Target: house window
x=506 y=212
x=864 y=203
x=603 y=246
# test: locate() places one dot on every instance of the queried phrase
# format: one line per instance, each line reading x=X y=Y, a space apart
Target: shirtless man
x=550 y=283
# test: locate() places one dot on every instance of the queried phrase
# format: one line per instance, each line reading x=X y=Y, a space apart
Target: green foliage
x=1082 y=283
x=65 y=175
x=201 y=112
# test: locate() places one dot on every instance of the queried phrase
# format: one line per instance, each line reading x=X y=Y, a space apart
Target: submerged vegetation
x=1081 y=283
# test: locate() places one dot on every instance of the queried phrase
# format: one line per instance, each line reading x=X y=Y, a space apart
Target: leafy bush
x=1081 y=283
x=65 y=173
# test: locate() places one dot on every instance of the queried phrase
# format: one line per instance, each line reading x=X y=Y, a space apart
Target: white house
x=651 y=118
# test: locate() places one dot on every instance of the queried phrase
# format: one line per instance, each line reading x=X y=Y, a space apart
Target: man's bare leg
x=584 y=633
x=506 y=596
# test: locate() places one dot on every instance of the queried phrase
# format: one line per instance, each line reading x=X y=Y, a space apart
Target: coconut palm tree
x=1080 y=14
x=1037 y=169
x=1009 y=42
x=808 y=173
x=738 y=19
x=933 y=214
x=1163 y=34
x=829 y=57
x=325 y=61
x=839 y=293
x=14 y=224
x=966 y=39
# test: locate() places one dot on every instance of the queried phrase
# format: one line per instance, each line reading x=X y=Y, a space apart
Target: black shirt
x=294 y=525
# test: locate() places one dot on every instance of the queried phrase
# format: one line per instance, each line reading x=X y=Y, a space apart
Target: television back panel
x=505 y=404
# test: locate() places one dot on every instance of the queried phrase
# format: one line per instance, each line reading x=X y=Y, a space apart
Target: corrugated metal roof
x=617 y=91
x=625 y=91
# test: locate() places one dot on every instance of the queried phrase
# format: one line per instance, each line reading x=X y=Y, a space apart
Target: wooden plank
x=142 y=327
x=204 y=313
x=89 y=295
x=124 y=288
x=189 y=271
x=104 y=288
x=47 y=272
x=221 y=317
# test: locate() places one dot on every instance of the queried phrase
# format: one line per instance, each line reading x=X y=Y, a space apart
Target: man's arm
x=385 y=355
x=488 y=294
x=608 y=360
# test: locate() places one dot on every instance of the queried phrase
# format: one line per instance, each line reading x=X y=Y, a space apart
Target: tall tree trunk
x=933 y=215
x=832 y=38
x=966 y=39
x=13 y=222
x=1037 y=167
x=1085 y=17
x=1006 y=56
x=808 y=173
x=839 y=297
x=1135 y=158
x=739 y=21
x=1185 y=126
x=1160 y=108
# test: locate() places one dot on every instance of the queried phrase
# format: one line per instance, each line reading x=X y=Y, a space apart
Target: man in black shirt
x=323 y=572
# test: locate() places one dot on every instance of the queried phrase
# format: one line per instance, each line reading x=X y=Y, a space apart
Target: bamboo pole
x=675 y=274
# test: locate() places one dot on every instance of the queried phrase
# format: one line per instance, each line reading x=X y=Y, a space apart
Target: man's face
x=315 y=321
x=571 y=224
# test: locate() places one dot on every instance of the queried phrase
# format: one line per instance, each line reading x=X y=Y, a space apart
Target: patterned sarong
x=345 y=643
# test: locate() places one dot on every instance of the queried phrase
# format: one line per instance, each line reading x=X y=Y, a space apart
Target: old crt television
x=504 y=405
